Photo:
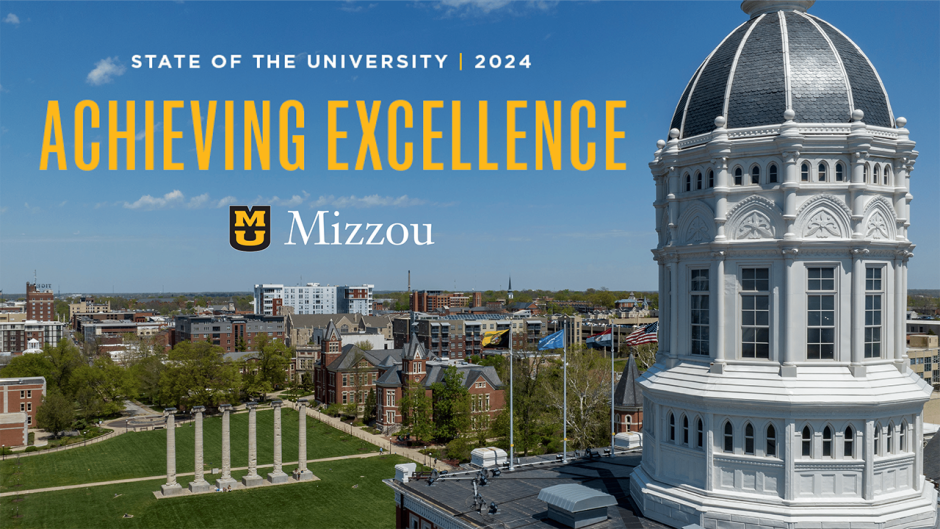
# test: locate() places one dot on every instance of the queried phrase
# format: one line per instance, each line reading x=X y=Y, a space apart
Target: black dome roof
x=781 y=59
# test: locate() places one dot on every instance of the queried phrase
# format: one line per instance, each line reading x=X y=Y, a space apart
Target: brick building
x=228 y=331
x=20 y=399
x=16 y=337
x=40 y=303
x=458 y=337
x=432 y=300
x=628 y=400
x=344 y=374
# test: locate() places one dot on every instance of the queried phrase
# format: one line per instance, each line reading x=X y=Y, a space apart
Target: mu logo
x=249 y=228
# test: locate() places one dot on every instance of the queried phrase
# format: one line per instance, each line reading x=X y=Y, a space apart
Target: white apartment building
x=314 y=298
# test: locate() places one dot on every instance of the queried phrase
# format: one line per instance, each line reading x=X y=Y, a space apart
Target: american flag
x=645 y=334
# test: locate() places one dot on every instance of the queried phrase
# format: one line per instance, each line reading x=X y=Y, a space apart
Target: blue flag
x=553 y=341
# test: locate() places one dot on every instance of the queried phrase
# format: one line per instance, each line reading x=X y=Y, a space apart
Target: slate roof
x=779 y=60
x=331 y=332
x=346 y=360
x=628 y=393
x=932 y=459
x=470 y=374
x=414 y=349
x=317 y=321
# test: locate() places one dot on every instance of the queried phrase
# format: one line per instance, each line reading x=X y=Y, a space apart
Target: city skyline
x=142 y=231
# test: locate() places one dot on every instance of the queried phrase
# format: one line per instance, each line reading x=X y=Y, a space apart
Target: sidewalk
x=163 y=476
x=377 y=440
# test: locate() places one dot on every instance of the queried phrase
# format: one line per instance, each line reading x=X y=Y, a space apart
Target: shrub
x=31 y=449
x=459 y=450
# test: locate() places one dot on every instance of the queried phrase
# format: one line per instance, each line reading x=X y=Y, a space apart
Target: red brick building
x=628 y=400
x=19 y=400
x=345 y=374
x=228 y=331
x=431 y=300
x=40 y=304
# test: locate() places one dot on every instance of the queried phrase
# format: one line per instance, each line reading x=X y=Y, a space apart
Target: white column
x=718 y=292
x=171 y=488
x=199 y=484
x=900 y=310
x=857 y=342
x=302 y=474
x=673 y=309
x=226 y=479
x=792 y=301
x=252 y=479
x=277 y=475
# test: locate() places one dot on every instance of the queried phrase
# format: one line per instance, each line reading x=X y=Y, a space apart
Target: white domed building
x=781 y=396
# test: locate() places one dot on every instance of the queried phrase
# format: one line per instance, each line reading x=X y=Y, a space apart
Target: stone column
x=252 y=479
x=278 y=475
x=302 y=474
x=791 y=352
x=857 y=341
x=171 y=488
x=226 y=479
x=199 y=484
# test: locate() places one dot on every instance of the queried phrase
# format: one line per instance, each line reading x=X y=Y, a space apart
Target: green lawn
x=142 y=454
x=328 y=503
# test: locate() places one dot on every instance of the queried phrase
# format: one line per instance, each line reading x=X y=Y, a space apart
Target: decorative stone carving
x=878 y=224
x=822 y=226
x=877 y=227
x=755 y=217
x=754 y=226
x=698 y=232
x=824 y=217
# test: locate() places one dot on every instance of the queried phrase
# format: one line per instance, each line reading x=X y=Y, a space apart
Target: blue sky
x=134 y=231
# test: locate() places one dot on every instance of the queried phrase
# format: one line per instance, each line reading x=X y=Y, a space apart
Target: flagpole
x=564 y=342
x=511 y=416
x=612 y=375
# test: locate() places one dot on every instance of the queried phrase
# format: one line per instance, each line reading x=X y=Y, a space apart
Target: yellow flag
x=496 y=338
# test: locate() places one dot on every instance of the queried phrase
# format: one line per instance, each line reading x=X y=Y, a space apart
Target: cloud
x=483 y=5
x=198 y=202
x=369 y=201
x=293 y=201
x=105 y=71
x=63 y=203
x=351 y=6
x=12 y=19
x=148 y=202
x=3 y=209
x=143 y=134
x=226 y=201
x=34 y=209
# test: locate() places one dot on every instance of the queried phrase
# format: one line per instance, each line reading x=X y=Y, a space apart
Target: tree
x=55 y=414
x=28 y=365
x=451 y=405
x=99 y=389
x=273 y=358
x=533 y=416
x=588 y=397
x=240 y=345
x=365 y=345
x=368 y=415
x=64 y=358
x=416 y=411
x=196 y=375
x=645 y=355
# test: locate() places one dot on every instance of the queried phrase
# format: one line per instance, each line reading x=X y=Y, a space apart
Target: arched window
x=827 y=442
x=804 y=172
x=772 y=172
x=685 y=430
x=848 y=444
x=771 y=441
x=748 y=439
x=821 y=172
x=700 y=433
x=902 y=442
x=839 y=173
x=877 y=439
x=865 y=174
x=738 y=174
x=688 y=182
x=887 y=175
x=627 y=422
x=876 y=175
x=729 y=438
x=698 y=180
x=672 y=427
x=807 y=441
x=711 y=178
x=755 y=174
x=889 y=437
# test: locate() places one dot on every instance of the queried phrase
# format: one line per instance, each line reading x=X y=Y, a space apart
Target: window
x=700 y=433
x=22 y=393
x=804 y=172
x=865 y=174
x=738 y=174
x=889 y=437
x=821 y=316
x=873 y=300
x=729 y=438
x=688 y=182
x=29 y=419
x=806 y=440
x=711 y=178
x=672 y=427
x=821 y=172
x=755 y=313
x=876 y=175
x=345 y=380
x=827 y=442
x=848 y=444
x=699 y=316
x=902 y=445
x=22 y=407
x=344 y=397
x=877 y=439
x=627 y=422
x=698 y=180
x=887 y=174
x=771 y=441
x=772 y=172
x=29 y=406
x=390 y=417
x=755 y=174
x=390 y=397
x=839 y=173
x=685 y=430
x=29 y=393
x=748 y=439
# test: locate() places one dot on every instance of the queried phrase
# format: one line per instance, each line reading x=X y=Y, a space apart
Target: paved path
x=377 y=440
x=163 y=476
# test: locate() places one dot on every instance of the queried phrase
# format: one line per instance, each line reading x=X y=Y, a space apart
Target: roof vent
x=575 y=505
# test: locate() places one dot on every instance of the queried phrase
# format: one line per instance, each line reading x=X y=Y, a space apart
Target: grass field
x=142 y=454
x=331 y=502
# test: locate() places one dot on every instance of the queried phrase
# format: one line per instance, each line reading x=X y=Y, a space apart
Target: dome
x=782 y=58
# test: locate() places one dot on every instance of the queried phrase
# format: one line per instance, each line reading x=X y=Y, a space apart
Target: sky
x=150 y=231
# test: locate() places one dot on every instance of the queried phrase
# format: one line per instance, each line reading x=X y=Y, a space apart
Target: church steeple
x=509 y=292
